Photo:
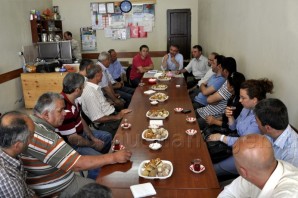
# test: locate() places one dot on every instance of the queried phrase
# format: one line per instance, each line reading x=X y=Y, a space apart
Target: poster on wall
x=120 y=26
x=88 y=37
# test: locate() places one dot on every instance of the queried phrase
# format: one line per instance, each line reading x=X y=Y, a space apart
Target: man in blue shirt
x=212 y=85
x=173 y=60
x=115 y=68
x=272 y=118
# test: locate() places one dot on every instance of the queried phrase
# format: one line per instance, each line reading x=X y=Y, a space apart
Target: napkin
x=155 y=123
x=152 y=71
x=148 y=92
x=142 y=190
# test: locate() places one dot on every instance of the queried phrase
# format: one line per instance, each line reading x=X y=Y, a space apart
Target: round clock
x=125 y=6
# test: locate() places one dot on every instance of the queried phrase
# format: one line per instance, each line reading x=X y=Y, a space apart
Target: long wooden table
x=179 y=148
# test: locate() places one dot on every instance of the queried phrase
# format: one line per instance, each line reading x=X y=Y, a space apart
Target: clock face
x=125 y=6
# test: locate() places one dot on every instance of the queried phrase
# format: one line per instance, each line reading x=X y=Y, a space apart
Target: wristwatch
x=125 y=6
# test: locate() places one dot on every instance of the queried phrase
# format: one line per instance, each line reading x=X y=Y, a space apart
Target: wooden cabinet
x=46 y=28
x=35 y=84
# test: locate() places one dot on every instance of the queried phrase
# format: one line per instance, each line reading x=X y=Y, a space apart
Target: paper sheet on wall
x=147 y=25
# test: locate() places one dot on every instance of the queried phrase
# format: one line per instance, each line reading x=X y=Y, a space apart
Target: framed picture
x=110 y=8
x=102 y=8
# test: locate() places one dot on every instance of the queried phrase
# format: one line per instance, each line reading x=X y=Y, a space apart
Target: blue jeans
x=226 y=167
x=106 y=137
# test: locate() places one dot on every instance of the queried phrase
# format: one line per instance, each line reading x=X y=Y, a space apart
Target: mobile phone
x=186 y=111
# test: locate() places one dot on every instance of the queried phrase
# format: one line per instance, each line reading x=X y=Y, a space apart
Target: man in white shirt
x=75 y=46
x=96 y=106
x=198 y=66
x=173 y=60
x=261 y=174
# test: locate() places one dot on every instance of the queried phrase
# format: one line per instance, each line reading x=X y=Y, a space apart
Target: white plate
x=192 y=169
x=167 y=78
x=178 y=109
x=159 y=100
x=191 y=119
x=159 y=88
x=149 y=92
x=141 y=168
x=154 y=102
x=157 y=117
x=191 y=131
x=155 y=146
x=126 y=127
x=154 y=139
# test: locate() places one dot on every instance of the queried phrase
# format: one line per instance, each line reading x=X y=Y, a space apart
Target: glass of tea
x=197 y=164
x=116 y=145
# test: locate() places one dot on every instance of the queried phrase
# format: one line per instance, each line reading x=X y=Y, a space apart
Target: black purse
x=218 y=150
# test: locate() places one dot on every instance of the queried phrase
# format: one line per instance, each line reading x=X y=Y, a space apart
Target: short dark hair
x=94 y=190
x=111 y=50
x=68 y=33
x=220 y=59
x=229 y=64
x=272 y=112
x=17 y=130
x=174 y=45
x=92 y=71
x=85 y=63
x=198 y=47
x=144 y=46
x=72 y=81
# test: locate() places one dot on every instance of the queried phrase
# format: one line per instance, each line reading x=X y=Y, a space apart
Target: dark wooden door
x=179 y=30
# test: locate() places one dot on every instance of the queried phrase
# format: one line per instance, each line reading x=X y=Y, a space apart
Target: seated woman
x=251 y=92
x=141 y=63
x=234 y=83
x=217 y=102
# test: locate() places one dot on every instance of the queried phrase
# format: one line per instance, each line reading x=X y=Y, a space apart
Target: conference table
x=179 y=148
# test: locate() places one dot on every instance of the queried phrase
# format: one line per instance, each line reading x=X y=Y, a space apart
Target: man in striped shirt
x=50 y=161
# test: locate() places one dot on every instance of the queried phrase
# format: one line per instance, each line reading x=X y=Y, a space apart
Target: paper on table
x=142 y=190
x=156 y=122
x=148 y=92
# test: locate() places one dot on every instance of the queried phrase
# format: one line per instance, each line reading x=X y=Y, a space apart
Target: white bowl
x=154 y=102
x=191 y=131
x=178 y=109
x=191 y=119
x=155 y=146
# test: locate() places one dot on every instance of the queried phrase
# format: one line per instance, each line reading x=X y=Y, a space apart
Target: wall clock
x=125 y=6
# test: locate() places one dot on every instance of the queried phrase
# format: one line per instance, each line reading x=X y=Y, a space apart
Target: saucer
x=191 y=119
x=126 y=127
x=178 y=109
x=121 y=148
x=154 y=102
x=192 y=169
x=155 y=146
x=191 y=131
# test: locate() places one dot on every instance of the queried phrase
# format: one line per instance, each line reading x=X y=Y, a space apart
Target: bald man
x=15 y=130
x=261 y=175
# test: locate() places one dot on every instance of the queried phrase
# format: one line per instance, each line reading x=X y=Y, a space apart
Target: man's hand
x=122 y=156
x=119 y=103
x=210 y=120
x=166 y=57
x=123 y=112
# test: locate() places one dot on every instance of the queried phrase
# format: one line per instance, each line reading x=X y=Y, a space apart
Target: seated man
x=212 y=85
x=141 y=63
x=14 y=135
x=110 y=86
x=173 y=60
x=115 y=69
x=198 y=66
x=94 y=190
x=195 y=90
x=74 y=129
x=84 y=64
x=273 y=121
x=261 y=175
x=217 y=102
x=95 y=105
x=75 y=46
x=50 y=161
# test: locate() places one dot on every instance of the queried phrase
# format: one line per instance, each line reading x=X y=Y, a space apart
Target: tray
x=154 y=139
x=141 y=168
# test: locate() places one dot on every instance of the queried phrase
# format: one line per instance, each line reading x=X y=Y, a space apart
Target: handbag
x=218 y=150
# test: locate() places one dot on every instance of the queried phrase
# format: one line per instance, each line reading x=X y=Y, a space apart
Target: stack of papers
x=156 y=123
x=148 y=92
x=142 y=190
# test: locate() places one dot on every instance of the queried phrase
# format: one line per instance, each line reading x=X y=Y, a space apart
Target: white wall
x=261 y=35
x=15 y=33
x=76 y=14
